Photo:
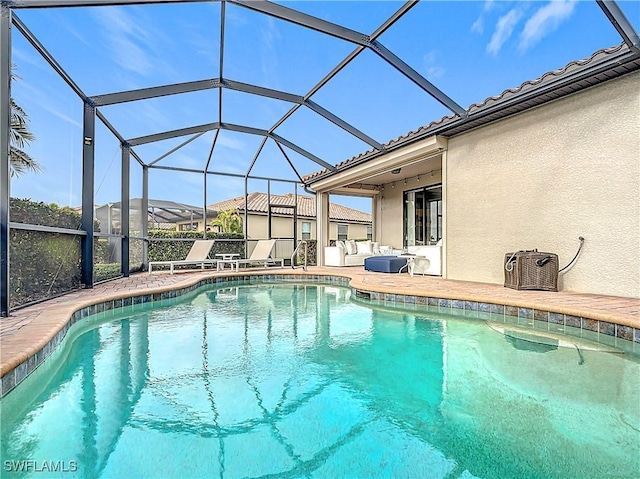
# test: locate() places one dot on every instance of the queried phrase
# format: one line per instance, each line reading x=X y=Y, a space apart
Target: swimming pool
x=294 y=380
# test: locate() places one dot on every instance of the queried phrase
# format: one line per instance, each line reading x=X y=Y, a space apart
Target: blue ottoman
x=384 y=264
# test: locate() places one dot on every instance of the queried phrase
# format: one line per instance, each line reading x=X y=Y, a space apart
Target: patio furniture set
x=200 y=251
x=423 y=259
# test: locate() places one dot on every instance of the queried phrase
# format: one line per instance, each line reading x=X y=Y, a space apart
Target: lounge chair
x=260 y=254
x=198 y=255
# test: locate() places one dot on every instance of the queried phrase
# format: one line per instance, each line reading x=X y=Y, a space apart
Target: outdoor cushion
x=364 y=247
x=385 y=264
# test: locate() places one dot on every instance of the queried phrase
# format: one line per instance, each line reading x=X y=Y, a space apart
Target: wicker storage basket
x=531 y=270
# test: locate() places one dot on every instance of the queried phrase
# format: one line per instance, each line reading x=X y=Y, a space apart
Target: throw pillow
x=350 y=246
x=364 y=247
x=375 y=247
x=341 y=244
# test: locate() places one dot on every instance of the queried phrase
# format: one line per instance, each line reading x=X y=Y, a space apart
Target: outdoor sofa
x=351 y=253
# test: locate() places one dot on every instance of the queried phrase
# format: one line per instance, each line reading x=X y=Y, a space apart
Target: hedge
x=42 y=264
x=23 y=210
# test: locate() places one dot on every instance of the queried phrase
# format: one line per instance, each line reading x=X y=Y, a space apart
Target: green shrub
x=42 y=265
x=101 y=253
x=23 y=210
x=312 y=247
x=104 y=271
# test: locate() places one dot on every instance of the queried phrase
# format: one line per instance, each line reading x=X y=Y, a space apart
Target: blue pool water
x=283 y=381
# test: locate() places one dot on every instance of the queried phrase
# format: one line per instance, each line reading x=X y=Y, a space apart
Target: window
x=369 y=233
x=343 y=232
x=423 y=216
x=306 y=230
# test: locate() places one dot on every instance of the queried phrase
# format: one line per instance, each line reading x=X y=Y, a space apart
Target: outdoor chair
x=198 y=255
x=260 y=254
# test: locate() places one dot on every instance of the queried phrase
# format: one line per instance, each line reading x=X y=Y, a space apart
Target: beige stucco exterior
x=545 y=177
x=536 y=180
x=282 y=227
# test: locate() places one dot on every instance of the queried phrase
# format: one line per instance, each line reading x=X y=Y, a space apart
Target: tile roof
x=258 y=203
x=603 y=65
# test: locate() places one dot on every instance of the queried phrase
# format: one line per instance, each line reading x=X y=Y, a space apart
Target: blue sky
x=470 y=50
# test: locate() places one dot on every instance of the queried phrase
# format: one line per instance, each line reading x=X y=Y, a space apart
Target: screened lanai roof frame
x=91 y=104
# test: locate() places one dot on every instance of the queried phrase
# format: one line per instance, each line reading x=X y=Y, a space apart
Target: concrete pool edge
x=46 y=334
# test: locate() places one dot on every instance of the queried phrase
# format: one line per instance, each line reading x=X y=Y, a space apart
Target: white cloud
x=478 y=25
x=234 y=17
x=504 y=29
x=29 y=57
x=156 y=116
x=132 y=44
x=432 y=67
x=50 y=102
x=231 y=143
x=546 y=20
x=270 y=37
x=71 y=27
x=119 y=28
x=184 y=160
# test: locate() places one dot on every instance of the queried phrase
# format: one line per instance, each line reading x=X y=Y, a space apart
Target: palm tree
x=20 y=137
x=228 y=221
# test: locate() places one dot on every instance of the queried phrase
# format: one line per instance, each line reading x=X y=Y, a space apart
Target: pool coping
x=62 y=315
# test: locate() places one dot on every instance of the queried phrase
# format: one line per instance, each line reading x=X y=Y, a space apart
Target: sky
x=470 y=50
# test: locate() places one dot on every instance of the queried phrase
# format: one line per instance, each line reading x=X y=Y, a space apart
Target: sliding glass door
x=423 y=216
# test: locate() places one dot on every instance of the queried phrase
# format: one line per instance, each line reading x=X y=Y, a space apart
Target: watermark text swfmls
x=32 y=465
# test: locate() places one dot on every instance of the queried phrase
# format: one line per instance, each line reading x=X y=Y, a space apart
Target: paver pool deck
x=26 y=331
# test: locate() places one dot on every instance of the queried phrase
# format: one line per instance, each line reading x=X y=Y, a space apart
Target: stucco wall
x=541 y=179
x=283 y=227
x=280 y=227
x=354 y=231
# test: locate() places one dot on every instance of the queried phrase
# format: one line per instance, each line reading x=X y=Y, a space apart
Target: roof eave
x=570 y=81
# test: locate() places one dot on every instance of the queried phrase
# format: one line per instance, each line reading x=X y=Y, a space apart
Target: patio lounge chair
x=198 y=255
x=260 y=254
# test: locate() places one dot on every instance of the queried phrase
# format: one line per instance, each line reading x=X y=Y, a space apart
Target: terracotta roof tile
x=258 y=203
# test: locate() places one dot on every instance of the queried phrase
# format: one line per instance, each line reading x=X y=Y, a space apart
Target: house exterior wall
x=197 y=223
x=355 y=231
x=543 y=178
x=258 y=227
x=283 y=227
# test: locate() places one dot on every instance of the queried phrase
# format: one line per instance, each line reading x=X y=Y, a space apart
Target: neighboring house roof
x=258 y=203
x=603 y=65
x=169 y=212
